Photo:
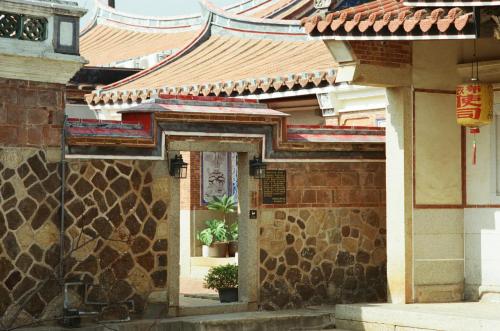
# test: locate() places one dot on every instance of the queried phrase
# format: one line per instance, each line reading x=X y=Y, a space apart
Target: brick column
x=31 y=113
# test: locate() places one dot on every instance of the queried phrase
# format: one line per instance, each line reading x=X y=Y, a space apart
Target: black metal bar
x=63 y=188
x=477 y=21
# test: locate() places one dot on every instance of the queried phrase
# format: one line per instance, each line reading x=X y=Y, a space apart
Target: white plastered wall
x=482 y=215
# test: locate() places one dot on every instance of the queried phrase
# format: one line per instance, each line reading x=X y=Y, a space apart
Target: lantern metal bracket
x=257 y=168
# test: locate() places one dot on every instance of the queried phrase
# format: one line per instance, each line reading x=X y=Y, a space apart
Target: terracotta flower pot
x=232 y=248
x=217 y=249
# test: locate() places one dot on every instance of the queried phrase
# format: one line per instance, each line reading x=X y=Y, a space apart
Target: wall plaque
x=274 y=187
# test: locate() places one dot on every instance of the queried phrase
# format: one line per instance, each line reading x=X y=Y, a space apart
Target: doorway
x=186 y=264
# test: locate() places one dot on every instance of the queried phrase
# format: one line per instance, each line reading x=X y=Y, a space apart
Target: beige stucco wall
x=437 y=150
x=438 y=254
x=452 y=245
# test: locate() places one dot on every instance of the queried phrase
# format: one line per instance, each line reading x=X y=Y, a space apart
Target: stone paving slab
x=285 y=320
x=463 y=316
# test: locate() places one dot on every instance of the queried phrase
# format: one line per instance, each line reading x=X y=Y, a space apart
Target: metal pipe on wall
x=63 y=188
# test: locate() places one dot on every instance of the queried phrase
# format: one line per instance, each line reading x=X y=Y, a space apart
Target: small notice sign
x=274 y=187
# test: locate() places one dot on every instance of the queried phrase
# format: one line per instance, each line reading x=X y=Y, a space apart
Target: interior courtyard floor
x=194 y=286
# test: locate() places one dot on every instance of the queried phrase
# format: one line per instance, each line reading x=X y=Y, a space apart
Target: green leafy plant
x=205 y=236
x=233 y=232
x=216 y=231
x=221 y=277
x=226 y=205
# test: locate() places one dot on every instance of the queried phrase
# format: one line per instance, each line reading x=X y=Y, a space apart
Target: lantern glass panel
x=66 y=32
x=183 y=171
x=260 y=172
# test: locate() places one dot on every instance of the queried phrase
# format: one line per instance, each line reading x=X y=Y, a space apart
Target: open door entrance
x=209 y=212
x=214 y=170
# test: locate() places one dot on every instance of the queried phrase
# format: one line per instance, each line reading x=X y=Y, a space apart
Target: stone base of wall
x=439 y=293
x=311 y=256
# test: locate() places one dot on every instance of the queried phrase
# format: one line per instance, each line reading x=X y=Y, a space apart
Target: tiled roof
x=113 y=37
x=283 y=9
x=335 y=134
x=105 y=45
x=206 y=106
x=451 y=3
x=143 y=125
x=230 y=65
x=245 y=56
x=392 y=18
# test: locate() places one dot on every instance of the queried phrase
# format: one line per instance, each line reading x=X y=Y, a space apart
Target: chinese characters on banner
x=474 y=104
x=474 y=109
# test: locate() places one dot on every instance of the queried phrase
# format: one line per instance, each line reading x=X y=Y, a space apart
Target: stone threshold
x=461 y=316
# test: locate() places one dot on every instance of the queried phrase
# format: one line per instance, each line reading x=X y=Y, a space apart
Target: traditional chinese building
x=117 y=239
x=441 y=201
x=313 y=100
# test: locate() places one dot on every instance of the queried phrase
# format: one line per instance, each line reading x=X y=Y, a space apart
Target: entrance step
x=462 y=316
x=287 y=320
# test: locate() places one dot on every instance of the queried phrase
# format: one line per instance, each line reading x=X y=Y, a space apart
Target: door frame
x=248 y=243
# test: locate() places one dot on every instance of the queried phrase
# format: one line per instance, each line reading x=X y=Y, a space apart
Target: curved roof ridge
x=220 y=12
x=119 y=18
x=112 y=17
x=280 y=12
x=202 y=36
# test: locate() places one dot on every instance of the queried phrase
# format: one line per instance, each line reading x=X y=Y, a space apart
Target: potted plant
x=233 y=239
x=213 y=238
x=224 y=279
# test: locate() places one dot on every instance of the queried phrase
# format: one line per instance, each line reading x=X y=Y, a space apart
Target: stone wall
x=115 y=214
x=328 y=244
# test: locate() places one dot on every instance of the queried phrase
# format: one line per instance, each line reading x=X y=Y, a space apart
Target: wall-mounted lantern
x=66 y=35
x=257 y=168
x=178 y=168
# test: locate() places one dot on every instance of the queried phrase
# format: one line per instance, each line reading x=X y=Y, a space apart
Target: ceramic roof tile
x=104 y=45
x=113 y=37
x=392 y=18
x=229 y=65
x=451 y=3
x=284 y=9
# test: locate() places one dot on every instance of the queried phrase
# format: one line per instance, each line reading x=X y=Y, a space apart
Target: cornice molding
x=44 y=8
x=47 y=70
